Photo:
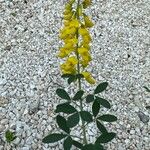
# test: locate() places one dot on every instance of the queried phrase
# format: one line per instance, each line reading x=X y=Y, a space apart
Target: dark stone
x=144 y=118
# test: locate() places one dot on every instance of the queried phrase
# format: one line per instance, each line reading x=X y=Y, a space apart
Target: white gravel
x=29 y=69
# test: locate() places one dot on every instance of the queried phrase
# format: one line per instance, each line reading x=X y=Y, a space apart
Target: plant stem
x=79 y=80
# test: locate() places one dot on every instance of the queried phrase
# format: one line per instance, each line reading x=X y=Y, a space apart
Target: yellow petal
x=83 y=31
x=72 y=60
x=88 y=22
x=88 y=77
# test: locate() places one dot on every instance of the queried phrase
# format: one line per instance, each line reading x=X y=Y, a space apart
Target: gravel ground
x=29 y=69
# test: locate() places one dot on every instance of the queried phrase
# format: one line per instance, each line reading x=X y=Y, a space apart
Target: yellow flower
x=74 y=23
x=86 y=3
x=88 y=77
x=72 y=60
x=66 y=31
x=72 y=41
x=83 y=31
x=86 y=58
x=88 y=22
x=68 y=16
x=86 y=39
x=70 y=65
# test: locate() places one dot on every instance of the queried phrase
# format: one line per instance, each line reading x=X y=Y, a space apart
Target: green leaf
x=67 y=75
x=77 y=144
x=108 y=118
x=147 y=89
x=95 y=108
x=73 y=120
x=101 y=87
x=88 y=147
x=78 y=95
x=71 y=79
x=105 y=137
x=61 y=121
x=63 y=94
x=67 y=143
x=101 y=127
x=95 y=146
x=90 y=98
x=65 y=108
x=103 y=102
x=98 y=146
x=86 y=116
x=51 y=138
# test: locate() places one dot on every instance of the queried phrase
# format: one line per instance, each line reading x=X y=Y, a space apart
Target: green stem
x=79 y=80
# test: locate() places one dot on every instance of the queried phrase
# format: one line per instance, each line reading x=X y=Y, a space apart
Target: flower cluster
x=76 y=38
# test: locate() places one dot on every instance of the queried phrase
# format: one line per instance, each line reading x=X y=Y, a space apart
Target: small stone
x=132 y=132
x=4 y=121
x=8 y=48
x=3 y=101
x=2 y=128
x=144 y=118
x=127 y=141
x=136 y=109
x=25 y=148
x=16 y=141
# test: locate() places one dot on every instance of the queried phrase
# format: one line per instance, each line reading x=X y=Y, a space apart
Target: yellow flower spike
x=88 y=77
x=88 y=22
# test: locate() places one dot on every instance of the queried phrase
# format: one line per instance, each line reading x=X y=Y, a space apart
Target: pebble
x=3 y=101
x=2 y=127
x=4 y=121
x=16 y=141
x=144 y=118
